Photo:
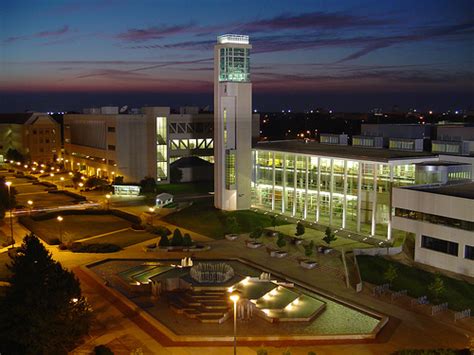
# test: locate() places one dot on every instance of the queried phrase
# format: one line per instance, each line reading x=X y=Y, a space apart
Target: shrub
x=262 y=351
x=187 y=241
x=231 y=225
x=62 y=246
x=300 y=229
x=177 y=239
x=329 y=236
x=94 y=248
x=308 y=249
x=281 y=242
x=103 y=350
x=159 y=230
x=256 y=233
x=164 y=241
x=54 y=241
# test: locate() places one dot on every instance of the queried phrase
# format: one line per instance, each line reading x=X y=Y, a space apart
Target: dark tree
x=43 y=310
x=76 y=179
x=274 y=221
x=329 y=236
x=300 y=229
x=118 y=180
x=15 y=155
x=256 y=233
x=231 y=225
x=164 y=241
x=148 y=185
x=94 y=181
x=281 y=242
x=187 y=241
x=176 y=174
x=177 y=239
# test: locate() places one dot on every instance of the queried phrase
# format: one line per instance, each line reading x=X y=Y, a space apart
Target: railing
x=462 y=314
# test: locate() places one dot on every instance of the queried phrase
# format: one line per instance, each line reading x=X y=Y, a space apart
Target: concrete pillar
x=331 y=189
x=318 y=197
x=359 y=196
x=344 y=201
x=305 y=209
x=273 y=181
x=295 y=174
x=374 y=201
x=389 y=225
x=283 y=197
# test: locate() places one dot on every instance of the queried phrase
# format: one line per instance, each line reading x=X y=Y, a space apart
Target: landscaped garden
x=417 y=282
x=186 y=188
x=202 y=217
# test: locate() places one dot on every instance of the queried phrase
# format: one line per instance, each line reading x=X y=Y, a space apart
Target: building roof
x=340 y=151
x=442 y=163
x=465 y=190
x=15 y=118
x=190 y=162
x=164 y=196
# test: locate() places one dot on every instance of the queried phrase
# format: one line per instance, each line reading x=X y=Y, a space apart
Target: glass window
x=440 y=245
x=469 y=252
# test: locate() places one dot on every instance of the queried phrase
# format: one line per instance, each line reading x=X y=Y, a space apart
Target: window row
x=446 y=247
x=434 y=219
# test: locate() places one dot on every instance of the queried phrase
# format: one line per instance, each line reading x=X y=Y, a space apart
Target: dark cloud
x=146 y=34
x=43 y=34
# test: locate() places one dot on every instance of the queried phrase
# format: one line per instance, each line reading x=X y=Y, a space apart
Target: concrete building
x=105 y=143
x=441 y=218
x=335 y=185
x=35 y=135
x=454 y=139
x=232 y=122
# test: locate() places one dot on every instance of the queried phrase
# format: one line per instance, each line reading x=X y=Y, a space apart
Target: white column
x=344 y=202
x=283 y=197
x=374 y=201
x=305 y=210
x=273 y=182
x=331 y=189
x=318 y=198
x=295 y=173
x=359 y=196
x=389 y=225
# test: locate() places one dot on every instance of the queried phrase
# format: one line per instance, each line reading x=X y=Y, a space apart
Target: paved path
x=103 y=235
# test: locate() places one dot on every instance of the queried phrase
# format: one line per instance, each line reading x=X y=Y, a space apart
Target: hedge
x=94 y=248
x=75 y=196
x=88 y=211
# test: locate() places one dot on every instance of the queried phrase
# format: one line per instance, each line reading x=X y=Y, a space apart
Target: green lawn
x=317 y=236
x=74 y=227
x=124 y=239
x=459 y=294
x=186 y=188
x=203 y=218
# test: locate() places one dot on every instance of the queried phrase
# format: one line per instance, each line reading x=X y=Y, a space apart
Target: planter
x=298 y=241
x=253 y=245
x=308 y=264
x=278 y=254
x=324 y=250
x=231 y=237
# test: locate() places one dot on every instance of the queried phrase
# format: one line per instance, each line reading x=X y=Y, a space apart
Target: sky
x=342 y=55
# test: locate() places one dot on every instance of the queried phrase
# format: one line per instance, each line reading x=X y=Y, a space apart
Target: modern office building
x=35 y=135
x=442 y=219
x=232 y=122
x=335 y=185
x=454 y=139
x=105 y=143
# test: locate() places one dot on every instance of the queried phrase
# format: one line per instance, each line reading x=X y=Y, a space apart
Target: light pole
x=80 y=187
x=234 y=297
x=60 y=219
x=62 y=182
x=108 y=200
x=8 y=183
x=30 y=206
x=52 y=177
x=152 y=213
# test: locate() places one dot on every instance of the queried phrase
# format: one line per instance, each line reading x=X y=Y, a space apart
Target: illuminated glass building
x=336 y=185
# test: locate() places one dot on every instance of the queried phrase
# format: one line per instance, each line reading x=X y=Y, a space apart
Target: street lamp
x=60 y=219
x=62 y=182
x=108 y=200
x=234 y=297
x=30 y=206
x=9 y=183
x=152 y=212
x=80 y=187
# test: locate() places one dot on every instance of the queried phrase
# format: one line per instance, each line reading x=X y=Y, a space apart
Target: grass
x=123 y=239
x=317 y=236
x=186 y=188
x=458 y=294
x=202 y=217
x=75 y=227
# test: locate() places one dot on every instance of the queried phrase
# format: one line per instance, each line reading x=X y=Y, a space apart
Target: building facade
x=35 y=135
x=441 y=218
x=334 y=185
x=232 y=122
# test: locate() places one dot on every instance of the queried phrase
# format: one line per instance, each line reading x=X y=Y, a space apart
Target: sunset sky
x=344 y=55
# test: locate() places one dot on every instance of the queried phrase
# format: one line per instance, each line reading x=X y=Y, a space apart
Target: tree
x=390 y=274
x=177 y=239
x=15 y=155
x=281 y=242
x=176 y=174
x=329 y=236
x=308 y=249
x=43 y=310
x=256 y=233
x=274 y=221
x=187 y=241
x=118 y=180
x=231 y=225
x=164 y=241
x=94 y=181
x=76 y=178
x=300 y=229
x=436 y=289
x=148 y=185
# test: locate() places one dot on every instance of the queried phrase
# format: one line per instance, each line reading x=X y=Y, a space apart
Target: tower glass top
x=231 y=38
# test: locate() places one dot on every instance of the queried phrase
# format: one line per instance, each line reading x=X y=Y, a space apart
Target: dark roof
x=190 y=162
x=15 y=118
x=340 y=151
x=465 y=190
x=441 y=163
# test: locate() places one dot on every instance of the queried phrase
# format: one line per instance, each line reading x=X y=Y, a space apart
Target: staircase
x=208 y=306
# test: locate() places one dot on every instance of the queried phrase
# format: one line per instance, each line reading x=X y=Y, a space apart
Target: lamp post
x=234 y=297
x=9 y=183
x=108 y=200
x=152 y=213
x=60 y=219
x=62 y=182
x=52 y=177
x=80 y=187
x=30 y=206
